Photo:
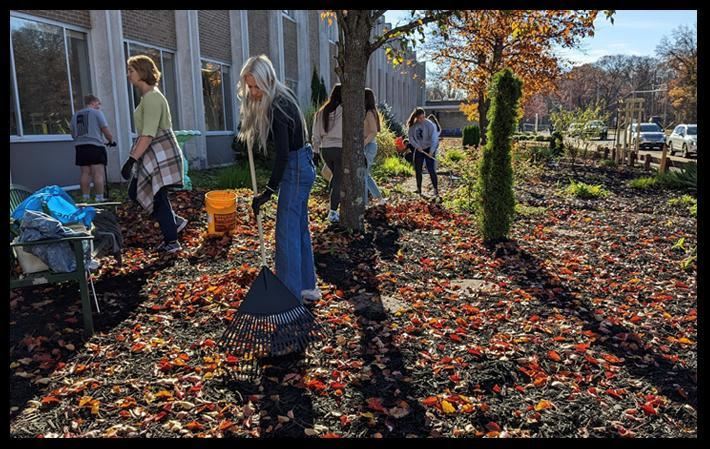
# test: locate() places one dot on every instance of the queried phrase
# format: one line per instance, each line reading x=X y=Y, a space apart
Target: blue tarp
x=55 y=202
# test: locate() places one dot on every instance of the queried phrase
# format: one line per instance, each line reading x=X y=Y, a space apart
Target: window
x=332 y=31
x=216 y=94
x=165 y=61
x=49 y=76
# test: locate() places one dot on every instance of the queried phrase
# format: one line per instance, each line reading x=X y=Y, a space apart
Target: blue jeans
x=162 y=211
x=370 y=184
x=294 y=252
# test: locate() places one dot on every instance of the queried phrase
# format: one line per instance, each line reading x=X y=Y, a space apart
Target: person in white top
x=328 y=140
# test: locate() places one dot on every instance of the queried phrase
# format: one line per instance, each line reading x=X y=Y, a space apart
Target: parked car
x=649 y=135
x=575 y=129
x=684 y=138
x=596 y=128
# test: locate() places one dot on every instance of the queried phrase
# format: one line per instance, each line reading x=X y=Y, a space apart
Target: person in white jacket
x=328 y=140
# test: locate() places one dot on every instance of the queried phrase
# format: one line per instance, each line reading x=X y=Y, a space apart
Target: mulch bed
x=585 y=326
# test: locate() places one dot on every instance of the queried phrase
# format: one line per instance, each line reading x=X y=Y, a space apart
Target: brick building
x=58 y=56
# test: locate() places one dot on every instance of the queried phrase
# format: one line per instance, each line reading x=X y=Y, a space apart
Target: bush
x=585 y=191
x=685 y=179
x=390 y=121
x=556 y=145
x=309 y=114
x=235 y=177
x=542 y=139
x=318 y=93
x=529 y=211
x=385 y=141
x=685 y=201
x=644 y=183
x=495 y=180
x=609 y=163
x=392 y=166
x=452 y=156
x=471 y=136
x=541 y=153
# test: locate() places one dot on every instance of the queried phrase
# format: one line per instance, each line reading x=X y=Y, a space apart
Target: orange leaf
x=194 y=425
x=553 y=355
x=224 y=425
x=431 y=400
x=611 y=358
x=47 y=400
x=163 y=394
x=543 y=405
x=331 y=435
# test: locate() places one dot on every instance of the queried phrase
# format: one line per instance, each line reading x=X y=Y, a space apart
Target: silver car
x=649 y=135
x=684 y=138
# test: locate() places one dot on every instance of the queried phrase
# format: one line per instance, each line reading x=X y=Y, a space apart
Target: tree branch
x=391 y=34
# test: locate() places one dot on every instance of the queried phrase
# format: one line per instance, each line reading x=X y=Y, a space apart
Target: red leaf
x=376 y=404
x=431 y=400
x=553 y=355
x=48 y=400
x=493 y=426
x=331 y=435
x=648 y=408
x=224 y=425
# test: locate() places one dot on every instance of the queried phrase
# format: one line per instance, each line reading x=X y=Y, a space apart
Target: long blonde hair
x=256 y=116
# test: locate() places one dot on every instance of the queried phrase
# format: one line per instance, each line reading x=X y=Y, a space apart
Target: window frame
x=20 y=137
x=131 y=105
x=289 y=14
x=224 y=132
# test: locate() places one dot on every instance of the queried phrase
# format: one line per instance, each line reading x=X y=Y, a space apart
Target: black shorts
x=90 y=155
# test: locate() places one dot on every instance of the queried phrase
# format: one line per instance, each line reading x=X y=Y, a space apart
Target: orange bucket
x=221 y=208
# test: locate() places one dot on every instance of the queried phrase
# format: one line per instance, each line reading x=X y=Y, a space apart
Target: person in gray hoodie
x=424 y=137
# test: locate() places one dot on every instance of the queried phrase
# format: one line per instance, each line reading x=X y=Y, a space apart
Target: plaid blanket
x=161 y=166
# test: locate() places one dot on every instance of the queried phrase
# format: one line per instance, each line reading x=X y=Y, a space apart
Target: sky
x=634 y=32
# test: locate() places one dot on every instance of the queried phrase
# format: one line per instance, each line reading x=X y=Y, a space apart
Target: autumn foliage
x=479 y=43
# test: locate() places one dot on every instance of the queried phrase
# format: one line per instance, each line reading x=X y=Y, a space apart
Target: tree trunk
x=352 y=191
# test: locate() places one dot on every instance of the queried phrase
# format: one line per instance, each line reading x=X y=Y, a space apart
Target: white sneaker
x=333 y=216
x=180 y=222
x=311 y=295
x=93 y=265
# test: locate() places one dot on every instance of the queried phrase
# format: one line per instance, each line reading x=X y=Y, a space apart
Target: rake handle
x=258 y=216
